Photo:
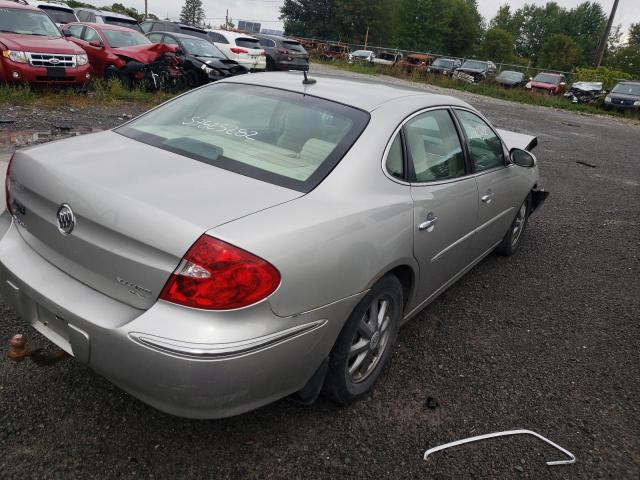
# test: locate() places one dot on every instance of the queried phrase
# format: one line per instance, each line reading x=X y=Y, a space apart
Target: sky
x=268 y=11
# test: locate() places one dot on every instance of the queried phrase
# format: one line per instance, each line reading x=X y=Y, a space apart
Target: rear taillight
x=238 y=51
x=215 y=275
x=7 y=189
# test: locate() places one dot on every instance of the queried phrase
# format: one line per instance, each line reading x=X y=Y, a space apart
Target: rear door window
x=75 y=31
x=295 y=46
x=434 y=146
x=267 y=42
x=277 y=136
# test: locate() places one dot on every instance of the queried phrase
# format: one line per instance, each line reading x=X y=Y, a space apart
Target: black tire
x=341 y=385
x=192 y=79
x=111 y=73
x=271 y=65
x=513 y=238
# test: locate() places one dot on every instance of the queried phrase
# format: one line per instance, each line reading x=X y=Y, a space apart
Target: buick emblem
x=66 y=219
x=54 y=61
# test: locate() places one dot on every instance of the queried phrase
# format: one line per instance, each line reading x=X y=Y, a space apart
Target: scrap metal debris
x=586 y=164
x=571 y=459
x=18 y=349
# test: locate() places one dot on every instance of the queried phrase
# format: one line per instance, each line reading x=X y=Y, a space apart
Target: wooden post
x=366 y=38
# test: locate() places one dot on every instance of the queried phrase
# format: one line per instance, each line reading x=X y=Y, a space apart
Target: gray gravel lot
x=547 y=340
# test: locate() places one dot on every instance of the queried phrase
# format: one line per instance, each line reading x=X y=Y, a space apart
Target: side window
x=75 y=30
x=146 y=26
x=485 y=146
x=155 y=37
x=265 y=42
x=82 y=15
x=395 y=164
x=91 y=35
x=436 y=152
x=157 y=27
x=218 y=38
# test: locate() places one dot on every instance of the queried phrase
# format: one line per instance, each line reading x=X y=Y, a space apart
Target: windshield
x=123 y=23
x=547 y=78
x=474 y=65
x=121 y=38
x=201 y=48
x=27 y=22
x=388 y=56
x=281 y=137
x=513 y=76
x=59 y=15
x=362 y=53
x=441 y=62
x=627 y=88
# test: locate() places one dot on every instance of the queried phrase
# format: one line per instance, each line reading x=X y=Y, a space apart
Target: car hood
x=39 y=44
x=624 y=96
x=146 y=53
x=137 y=209
x=548 y=86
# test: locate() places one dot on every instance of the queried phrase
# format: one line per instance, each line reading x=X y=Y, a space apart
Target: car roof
x=231 y=34
x=18 y=6
x=107 y=13
x=182 y=35
x=364 y=95
x=58 y=5
x=102 y=26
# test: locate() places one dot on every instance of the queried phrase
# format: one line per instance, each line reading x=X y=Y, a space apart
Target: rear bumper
x=19 y=73
x=292 y=65
x=182 y=361
x=621 y=106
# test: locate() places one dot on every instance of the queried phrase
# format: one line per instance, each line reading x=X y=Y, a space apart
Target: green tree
x=192 y=13
x=559 y=52
x=498 y=45
x=634 y=34
x=309 y=18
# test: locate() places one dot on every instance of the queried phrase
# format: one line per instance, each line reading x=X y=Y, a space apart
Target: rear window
x=59 y=15
x=247 y=42
x=294 y=46
x=123 y=22
x=281 y=137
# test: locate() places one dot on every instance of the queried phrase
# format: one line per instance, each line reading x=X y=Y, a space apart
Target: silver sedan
x=258 y=237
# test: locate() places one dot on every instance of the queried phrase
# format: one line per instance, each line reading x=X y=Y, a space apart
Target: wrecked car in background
x=625 y=95
x=444 y=66
x=32 y=49
x=511 y=79
x=388 y=58
x=330 y=52
x=585 y=92
x=416 y=62
x=127 y=55
x=360 y=56
x=474 y=71
x=202 y=61
x=546 y=82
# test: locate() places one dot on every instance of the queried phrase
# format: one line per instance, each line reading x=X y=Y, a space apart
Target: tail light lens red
x=215 y=275
x=238 y=51
x=7 y=190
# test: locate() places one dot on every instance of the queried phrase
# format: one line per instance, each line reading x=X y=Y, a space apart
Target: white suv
x=240 y=47
x=59 y=12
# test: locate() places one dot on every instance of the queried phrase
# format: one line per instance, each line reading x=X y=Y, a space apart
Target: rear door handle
x=488 y=197
x=429 y=223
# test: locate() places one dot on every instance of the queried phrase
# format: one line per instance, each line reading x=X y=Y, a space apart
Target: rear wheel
x=271 y=65
x=365 y=342
x=513 y=238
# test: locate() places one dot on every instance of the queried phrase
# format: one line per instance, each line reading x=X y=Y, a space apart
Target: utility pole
x=226 y=20
x=602 y=46
x=146 y=11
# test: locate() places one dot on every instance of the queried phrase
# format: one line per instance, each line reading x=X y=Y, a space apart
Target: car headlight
x=15 y=56
x=607 y=99
x=82 y=59
x=636 y=103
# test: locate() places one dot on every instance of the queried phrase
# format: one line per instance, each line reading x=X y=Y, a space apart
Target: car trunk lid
x=137 y=209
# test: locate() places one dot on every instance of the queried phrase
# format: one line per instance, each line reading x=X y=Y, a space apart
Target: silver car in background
x=244 y=242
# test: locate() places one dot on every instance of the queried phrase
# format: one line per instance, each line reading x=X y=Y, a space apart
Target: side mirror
x=522 y=158
x=96 y=44
x=67 y=33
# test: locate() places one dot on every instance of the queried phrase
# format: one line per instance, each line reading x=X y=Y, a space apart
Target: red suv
x=551 y=83
x=32 y=49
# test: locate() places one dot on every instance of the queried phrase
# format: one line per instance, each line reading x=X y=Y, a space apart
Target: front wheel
x=513 y=238
x=365 y=342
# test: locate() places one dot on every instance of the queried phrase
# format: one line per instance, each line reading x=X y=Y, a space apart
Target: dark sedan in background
x=283 y=53
x=202 y=61
x=444 y=66
x=511 y=79
x=624 y=95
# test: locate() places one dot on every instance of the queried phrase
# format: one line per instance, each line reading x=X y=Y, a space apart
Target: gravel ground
x=546 y=340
